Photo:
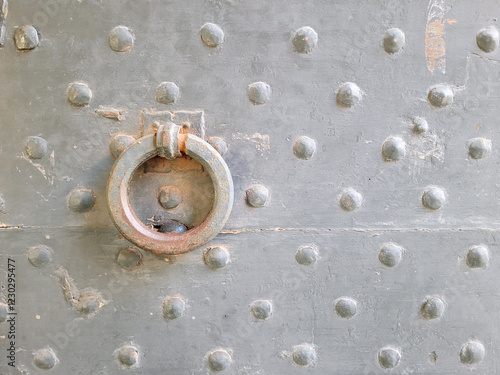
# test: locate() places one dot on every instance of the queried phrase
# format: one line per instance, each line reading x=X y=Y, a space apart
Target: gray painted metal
x=361 y=137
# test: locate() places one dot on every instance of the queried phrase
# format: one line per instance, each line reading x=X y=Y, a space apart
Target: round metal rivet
x=262 y=309
x=219 y=144
x=128 y=355
x=307 y=255
x=172 y=226
x=257 y=195
x=345 y=307
x=3 y=312
x=45 y=359
x=129 y=258
x=440 y=96
x=119 y=143
x=479 y=148
x=478 y=256
x=434 y=198
x=393 y=149
x=212 y=35
x=121 y=39
x=350 y=199
x=433 y=308
x=26 y=37
x=79 y=94
x=88 y=304
x=173 y=307
x=349 y=94
x=420 y=125
x=304 y=147
x=487 y=39
x=167 y=93
x=303 y=355
x=259 y=92
x=390 y=254
x=81 y=200
x=169 y=197
x=216 y=257
x=472 y=353
x=40 y=255
x=36 y=147
x=219 y=360
x=305 y=39
x=393 y=40
x=389 y=357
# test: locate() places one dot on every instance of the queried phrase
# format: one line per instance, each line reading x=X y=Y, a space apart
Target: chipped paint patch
x=435 y=46
x=112 y=113
x=262 y=141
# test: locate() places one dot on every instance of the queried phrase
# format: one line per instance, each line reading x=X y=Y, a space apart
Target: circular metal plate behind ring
x=168 y=243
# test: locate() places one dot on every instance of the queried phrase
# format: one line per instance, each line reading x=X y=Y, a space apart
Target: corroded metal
x=144 y=149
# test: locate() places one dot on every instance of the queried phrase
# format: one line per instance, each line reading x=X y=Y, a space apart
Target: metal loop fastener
x=139 y=152
x=167 y=141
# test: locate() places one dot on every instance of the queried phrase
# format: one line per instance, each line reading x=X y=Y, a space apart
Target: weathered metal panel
x=260 y=94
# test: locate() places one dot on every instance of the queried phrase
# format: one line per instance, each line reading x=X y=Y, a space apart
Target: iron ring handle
x=169 y=243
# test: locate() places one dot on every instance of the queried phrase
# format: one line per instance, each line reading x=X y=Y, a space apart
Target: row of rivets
x=304 y=355
x=217 y=257
x=257 y=196
x=305 y=39
x=349 y=94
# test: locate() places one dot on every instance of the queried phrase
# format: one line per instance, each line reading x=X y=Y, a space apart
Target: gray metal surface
x=323 y=180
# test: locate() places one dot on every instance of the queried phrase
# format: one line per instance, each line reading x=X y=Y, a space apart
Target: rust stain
x=451 y=22
x=435 y=47
x=111 y=113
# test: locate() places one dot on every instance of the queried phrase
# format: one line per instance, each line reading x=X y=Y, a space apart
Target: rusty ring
x=169 y=243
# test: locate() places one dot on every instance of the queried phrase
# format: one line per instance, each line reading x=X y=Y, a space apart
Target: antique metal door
x=249 y=187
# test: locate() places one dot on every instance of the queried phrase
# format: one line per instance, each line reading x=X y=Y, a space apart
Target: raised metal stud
x=212 y=35
x=128 y=356
x=121 y=39
x=40 y=255
x=79 y=94
x=433 y=308
x=305 y=40
x=487 y=39
x=173 y=307
x=304 y=148
x=216 y=257
x=45 y=359
x=478 y=256
x=440 y=96
x=303 y=355
x=349 y=94
x=219 y=360
x=129 y=258
x=36 y=147
x=259 y=93
x=81 y=200
x=389 y=357
x=350 y=199
x=167 y=93
x=26 y=38
x=434 y=198
x=257 y=195
x=345 y=307
x=262 y=309
x=119 y=143
x=393 y=40
x=472 y=352
x=390 y=254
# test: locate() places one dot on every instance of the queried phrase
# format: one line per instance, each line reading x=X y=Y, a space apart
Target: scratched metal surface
x=303 y=207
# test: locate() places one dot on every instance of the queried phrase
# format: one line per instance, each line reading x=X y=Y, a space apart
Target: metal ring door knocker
x=169 y=142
